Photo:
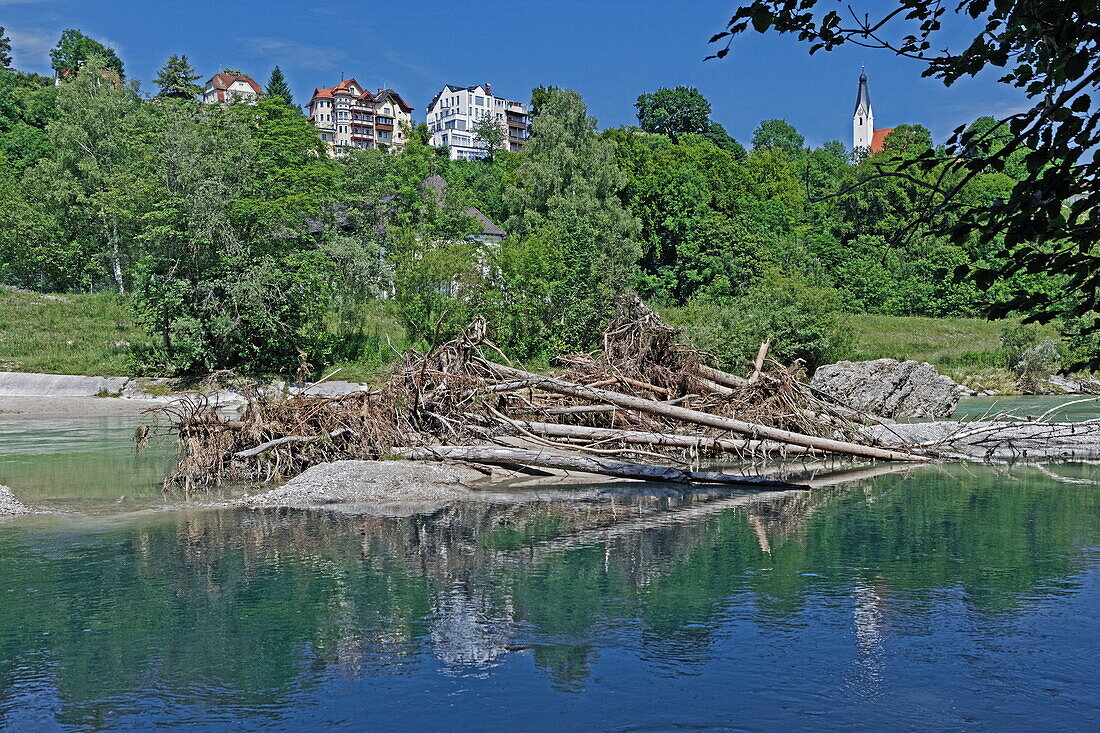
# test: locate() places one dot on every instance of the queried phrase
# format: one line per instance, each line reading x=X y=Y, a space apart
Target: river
x=938 y=597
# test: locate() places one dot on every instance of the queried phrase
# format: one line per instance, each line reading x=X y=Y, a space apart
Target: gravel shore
x=372 y=486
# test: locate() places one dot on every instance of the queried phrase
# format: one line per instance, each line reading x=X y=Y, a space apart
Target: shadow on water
x=935 y=596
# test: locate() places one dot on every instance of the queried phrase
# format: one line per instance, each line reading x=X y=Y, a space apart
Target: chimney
x=489 y=89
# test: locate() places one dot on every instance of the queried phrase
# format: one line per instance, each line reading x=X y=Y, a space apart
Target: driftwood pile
x=644 y=395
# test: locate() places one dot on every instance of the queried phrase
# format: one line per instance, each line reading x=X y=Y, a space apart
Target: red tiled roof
x=878 y=139
x=342 y=88
x=222 y=82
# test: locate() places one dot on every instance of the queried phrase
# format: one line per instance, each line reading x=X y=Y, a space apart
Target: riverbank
x=93 y=335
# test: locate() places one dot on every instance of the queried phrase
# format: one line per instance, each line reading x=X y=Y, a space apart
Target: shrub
x=1030 y=354
x=801 y=321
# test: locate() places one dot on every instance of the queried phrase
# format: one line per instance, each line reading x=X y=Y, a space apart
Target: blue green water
x=942 y=597
x=1068 y=408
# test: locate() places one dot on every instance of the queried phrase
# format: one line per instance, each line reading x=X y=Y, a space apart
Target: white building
x=348 y=116
x=225 y=87
x=455 y=111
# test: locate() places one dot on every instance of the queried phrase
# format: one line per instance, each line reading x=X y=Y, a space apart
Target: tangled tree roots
x=460 y=394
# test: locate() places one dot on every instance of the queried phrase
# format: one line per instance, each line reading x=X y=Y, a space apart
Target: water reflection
x=850 y=599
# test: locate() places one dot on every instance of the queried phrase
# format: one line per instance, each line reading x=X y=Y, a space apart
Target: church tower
x=863 y=119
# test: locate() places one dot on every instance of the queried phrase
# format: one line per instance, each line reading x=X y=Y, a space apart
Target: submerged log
x=588 y=464
x=696 y=417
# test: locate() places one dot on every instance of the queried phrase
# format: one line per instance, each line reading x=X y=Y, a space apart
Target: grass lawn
x=65 y=334
x=943 y=342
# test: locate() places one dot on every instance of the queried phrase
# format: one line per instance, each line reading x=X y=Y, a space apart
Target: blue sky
x=609 y=50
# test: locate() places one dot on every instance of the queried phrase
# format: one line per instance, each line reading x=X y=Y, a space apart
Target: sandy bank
x=71 y=406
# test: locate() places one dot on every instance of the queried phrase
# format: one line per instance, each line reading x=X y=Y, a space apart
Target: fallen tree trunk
x=641 y=437
x=587 y=464
x=721 y=377
x=684 y=414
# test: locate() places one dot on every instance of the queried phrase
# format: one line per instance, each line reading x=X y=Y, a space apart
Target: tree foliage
x=176 y=79
x=5 y=50
x=673 y=112
x=277 y=87
x=74 y=49
x=1048 y=220
x=576 y=238
x=489 y=133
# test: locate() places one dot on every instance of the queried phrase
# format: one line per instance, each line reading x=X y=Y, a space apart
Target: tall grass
x=65 y=334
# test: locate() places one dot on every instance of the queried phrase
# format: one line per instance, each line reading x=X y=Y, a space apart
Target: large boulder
x=890 y=388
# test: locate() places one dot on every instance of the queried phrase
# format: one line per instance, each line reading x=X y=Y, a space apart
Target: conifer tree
x=177 y=79
x=277 y=88
x=5 y=50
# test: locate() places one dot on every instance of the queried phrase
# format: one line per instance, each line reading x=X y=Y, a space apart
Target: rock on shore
x=9 y=505
x=890 y=388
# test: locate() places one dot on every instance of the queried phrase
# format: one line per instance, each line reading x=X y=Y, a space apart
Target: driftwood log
x=696 y=417
x=643 y=437
x=587 y=464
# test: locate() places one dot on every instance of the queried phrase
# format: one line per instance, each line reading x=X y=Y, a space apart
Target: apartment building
x=347 y=116
x=455 y=111
x=225 y=87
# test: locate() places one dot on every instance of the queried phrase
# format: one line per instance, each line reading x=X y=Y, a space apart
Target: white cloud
x=291 y=53
x=30 y=48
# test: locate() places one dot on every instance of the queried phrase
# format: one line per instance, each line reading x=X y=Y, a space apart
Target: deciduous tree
x=75 y=48
x=673 y=112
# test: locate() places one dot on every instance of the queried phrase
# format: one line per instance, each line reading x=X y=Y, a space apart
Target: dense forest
x=239 y=243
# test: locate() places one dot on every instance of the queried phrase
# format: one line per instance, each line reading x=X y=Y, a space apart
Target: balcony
x=383 y=122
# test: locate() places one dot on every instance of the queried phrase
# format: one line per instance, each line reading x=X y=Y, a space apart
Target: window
x=480 y=101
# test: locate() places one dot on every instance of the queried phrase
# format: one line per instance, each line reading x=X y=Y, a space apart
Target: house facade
x=223 y=87
x=454 y=113
x=348 y=117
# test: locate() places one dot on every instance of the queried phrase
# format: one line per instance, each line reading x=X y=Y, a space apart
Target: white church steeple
x=863 y=119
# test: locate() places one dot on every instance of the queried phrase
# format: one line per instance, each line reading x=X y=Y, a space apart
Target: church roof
x=878 y=139
x=863 y=97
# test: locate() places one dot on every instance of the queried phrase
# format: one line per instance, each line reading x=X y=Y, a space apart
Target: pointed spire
x=863 y=97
